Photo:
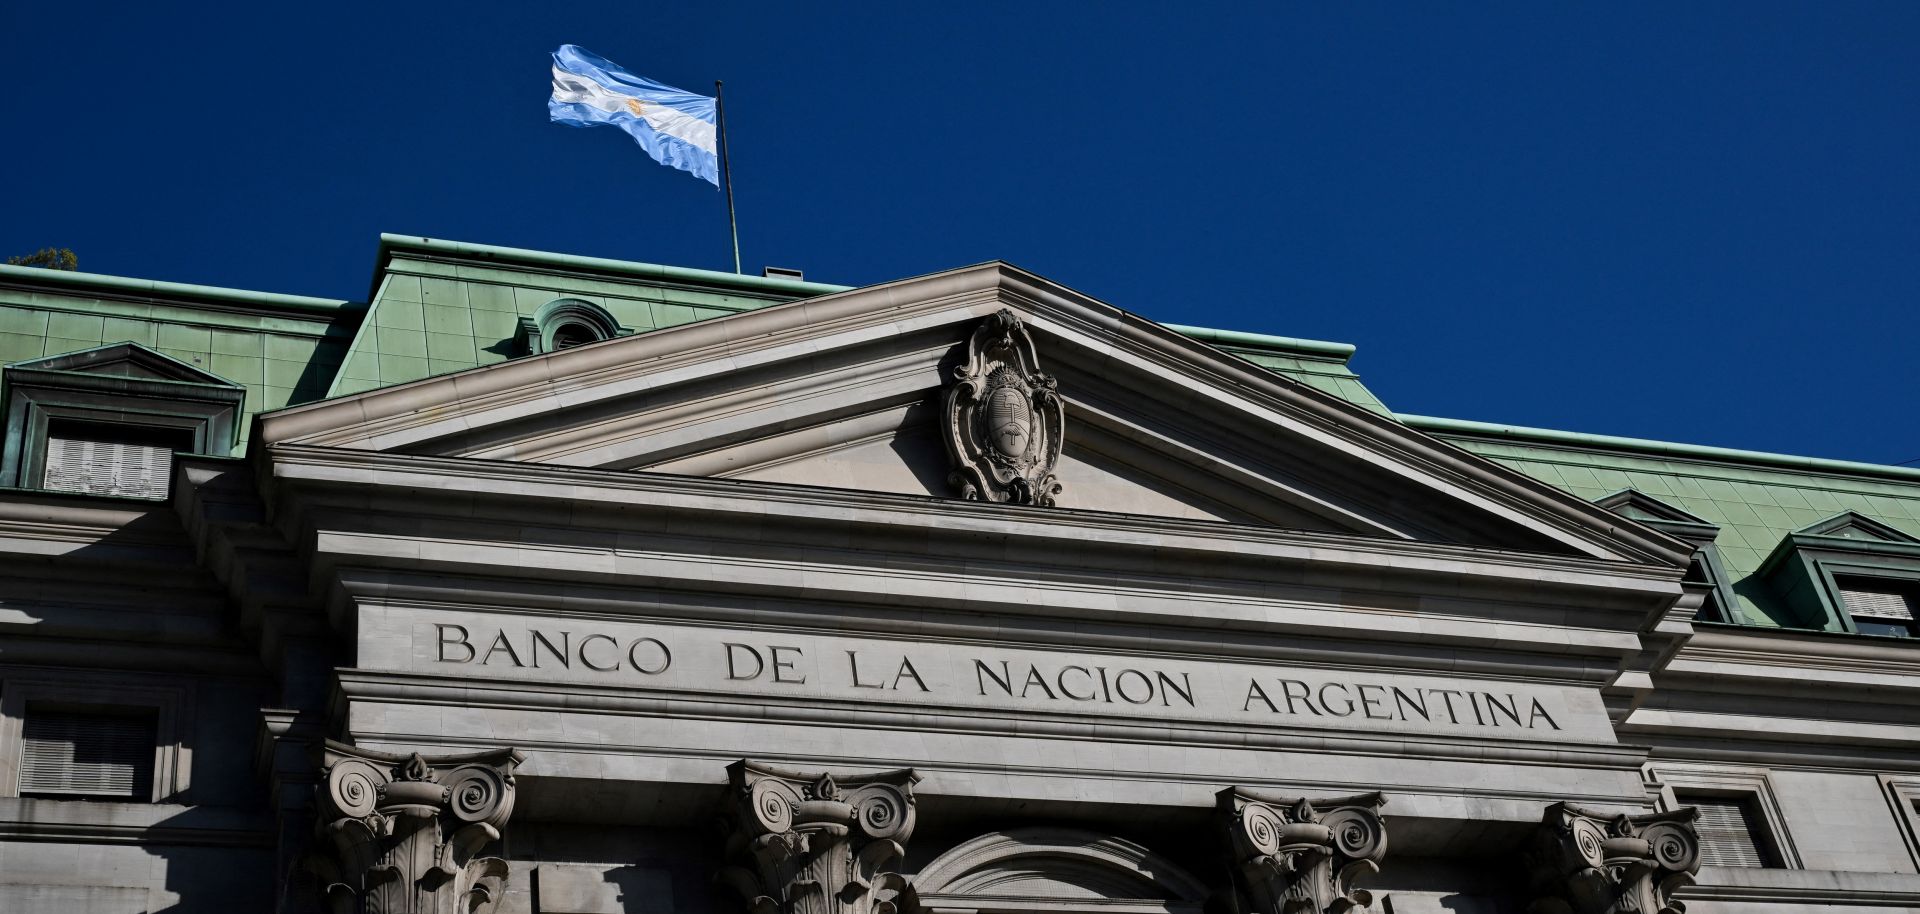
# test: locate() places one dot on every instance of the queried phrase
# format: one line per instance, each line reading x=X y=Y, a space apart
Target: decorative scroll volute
x=401 y=834
x=1293 y=855
x=1587 y=862
x=810 y=843
x=1004 y=418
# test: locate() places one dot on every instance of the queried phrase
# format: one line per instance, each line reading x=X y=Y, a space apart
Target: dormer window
x=1849 y=573
x=1879 y=606
x=103 y=458
x=566 y=323
x=574 y=333
x=108 y=421
x=1705 y=571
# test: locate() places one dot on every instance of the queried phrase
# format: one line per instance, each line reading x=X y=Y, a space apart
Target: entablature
x=548 y=523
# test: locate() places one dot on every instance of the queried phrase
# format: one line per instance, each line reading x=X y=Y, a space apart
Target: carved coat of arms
x=1004 y=418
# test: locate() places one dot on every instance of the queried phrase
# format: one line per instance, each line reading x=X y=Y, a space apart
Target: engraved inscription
x=716 y=661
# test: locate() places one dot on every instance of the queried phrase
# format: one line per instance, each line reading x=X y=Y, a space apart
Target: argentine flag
x=675 y=127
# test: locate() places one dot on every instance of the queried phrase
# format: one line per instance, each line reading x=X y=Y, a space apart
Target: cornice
x=1803 y=648
x=1773 y=728
x=424 y=479
x=150 y=291
x=416 y=246
x=1751 y=886
x=1795 y=663
x=38 y=522
x=1510 y=493
x=66 y=822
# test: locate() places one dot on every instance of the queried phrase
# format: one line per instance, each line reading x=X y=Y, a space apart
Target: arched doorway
x=1056 y=871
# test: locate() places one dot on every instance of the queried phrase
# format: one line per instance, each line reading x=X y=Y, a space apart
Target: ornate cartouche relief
x=1587 y=862
x=810 y=843
x=401 y=834
x=1004 y=418
x=1293 y=855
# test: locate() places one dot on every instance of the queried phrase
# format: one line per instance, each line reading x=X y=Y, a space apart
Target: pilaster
x=402 y=834
x=1294 y=855
x=813 y=843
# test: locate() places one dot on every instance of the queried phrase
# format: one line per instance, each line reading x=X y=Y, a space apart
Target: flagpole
x=726 y=171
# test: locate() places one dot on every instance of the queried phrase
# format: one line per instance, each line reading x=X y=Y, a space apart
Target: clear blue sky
x=1689 y=221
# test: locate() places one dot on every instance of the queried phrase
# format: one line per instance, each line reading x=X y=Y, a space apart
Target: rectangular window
x=104 y=459
x=92 y=754
x=1731 y=831
x=1879 y=607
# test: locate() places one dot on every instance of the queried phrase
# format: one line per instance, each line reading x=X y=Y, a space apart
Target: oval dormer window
x=569 y=322
x=573 y=333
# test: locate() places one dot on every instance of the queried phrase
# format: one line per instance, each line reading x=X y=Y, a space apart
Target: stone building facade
x=539 y=583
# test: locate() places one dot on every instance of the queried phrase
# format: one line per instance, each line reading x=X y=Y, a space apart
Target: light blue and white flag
x=675 y=127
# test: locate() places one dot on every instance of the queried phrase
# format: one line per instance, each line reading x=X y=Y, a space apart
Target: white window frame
x=1730 y=781
x=169 y=704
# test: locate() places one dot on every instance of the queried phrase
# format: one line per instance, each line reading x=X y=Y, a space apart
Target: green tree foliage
x=51 y=258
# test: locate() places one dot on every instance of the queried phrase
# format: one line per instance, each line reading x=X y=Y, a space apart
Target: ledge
x=81 y=283
x=1776 y=886
x=92 y=822
x=391 y=244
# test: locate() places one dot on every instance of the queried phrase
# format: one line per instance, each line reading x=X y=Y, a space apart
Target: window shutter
x=107 y=467
x=1866 y=598
x=90 y=755
x=1729 y=832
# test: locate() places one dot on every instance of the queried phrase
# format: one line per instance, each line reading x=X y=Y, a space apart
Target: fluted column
x=1294 y=855
x=811 y=843
x=1588 y=862
x=401 y=834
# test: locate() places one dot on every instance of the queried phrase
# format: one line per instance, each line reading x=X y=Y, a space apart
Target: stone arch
x=1057 y=871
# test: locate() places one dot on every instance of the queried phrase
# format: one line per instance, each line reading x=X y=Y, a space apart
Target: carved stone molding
x=1588 y=862
x=1294 y=855
x=1004 y=418
x=810 y=843
x=401 y=834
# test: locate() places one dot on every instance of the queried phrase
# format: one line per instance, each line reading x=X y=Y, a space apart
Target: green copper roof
x=284 y=349
x=1756 y=498
x=445 y=306
x=1317 y=364
x=442 y=306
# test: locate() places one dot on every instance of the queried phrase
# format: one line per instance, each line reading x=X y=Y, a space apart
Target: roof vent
x=783 y=273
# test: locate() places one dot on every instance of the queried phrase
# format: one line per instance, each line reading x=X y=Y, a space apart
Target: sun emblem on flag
x=633 y=105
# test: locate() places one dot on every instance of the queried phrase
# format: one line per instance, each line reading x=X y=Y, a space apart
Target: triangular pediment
x=1643 y=507
x=124 y=360
x=1852 y=525
x=1639 y=506
x=847 y=390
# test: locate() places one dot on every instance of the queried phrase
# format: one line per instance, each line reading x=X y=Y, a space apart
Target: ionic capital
x=1294 y=855
x=400 y=834
x=812 y=843
x=1588 y=862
